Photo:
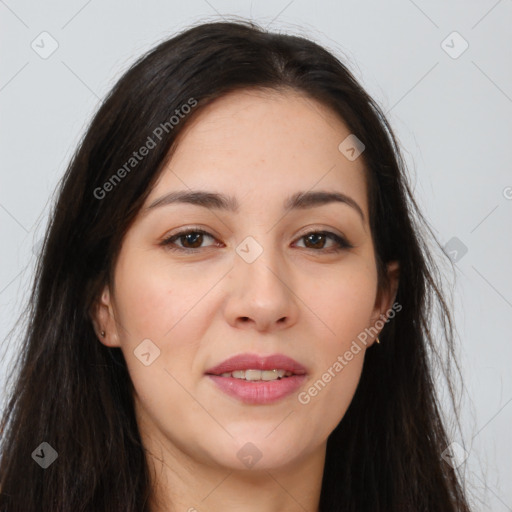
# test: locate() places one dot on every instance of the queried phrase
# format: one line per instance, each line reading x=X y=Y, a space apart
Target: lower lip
x=258 y=392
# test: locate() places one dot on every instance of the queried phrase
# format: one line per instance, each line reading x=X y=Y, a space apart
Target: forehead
x=264 y=144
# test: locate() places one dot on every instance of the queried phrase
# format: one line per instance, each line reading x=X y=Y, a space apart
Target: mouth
x=254 y=375
x=255 y=379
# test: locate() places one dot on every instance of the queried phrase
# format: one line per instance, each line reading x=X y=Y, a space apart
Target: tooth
x=252 y=374
x=272 y=374
x=258 y=375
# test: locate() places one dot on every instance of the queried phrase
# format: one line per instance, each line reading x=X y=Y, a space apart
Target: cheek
x=345 y=304
x=154 y=299
x=155 y=302
x=329 y=392
x=345 y=309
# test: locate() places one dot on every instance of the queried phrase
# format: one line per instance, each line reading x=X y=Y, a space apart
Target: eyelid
x=315 y=228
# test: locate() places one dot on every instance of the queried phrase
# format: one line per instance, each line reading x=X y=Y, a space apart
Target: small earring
x=103 y=333
x=377 y=340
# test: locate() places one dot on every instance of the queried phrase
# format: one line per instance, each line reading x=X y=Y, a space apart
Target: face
x=196 y=284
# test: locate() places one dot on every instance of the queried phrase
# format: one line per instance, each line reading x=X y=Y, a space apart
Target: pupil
x=316 y=235
x=191 y=236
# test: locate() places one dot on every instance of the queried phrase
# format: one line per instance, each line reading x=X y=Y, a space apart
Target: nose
x=261 y=294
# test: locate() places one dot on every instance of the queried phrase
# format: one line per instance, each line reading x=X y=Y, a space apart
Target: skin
x=296 y=298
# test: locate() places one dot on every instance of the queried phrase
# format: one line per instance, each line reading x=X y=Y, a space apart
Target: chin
x=251 y=451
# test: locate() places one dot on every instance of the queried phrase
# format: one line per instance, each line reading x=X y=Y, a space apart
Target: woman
x=233 y=307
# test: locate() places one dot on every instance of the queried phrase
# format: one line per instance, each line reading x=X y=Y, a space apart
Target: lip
x=259 y=392
x=258 y=362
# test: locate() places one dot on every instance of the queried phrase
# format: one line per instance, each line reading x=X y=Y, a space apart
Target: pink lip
x=257 y=362
x=261 y=392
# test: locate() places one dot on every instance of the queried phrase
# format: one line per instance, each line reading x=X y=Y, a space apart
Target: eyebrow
x=218 y=201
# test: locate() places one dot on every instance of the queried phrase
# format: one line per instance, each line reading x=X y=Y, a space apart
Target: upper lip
x=257 y=362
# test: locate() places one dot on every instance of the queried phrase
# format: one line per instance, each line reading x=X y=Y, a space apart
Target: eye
x=318 y=238
x=192 y=239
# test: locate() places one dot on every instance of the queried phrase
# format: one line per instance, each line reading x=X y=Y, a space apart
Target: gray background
x=451 y=115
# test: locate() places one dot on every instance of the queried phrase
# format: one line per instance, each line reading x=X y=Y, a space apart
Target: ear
x=385 y=298
x=103 y=319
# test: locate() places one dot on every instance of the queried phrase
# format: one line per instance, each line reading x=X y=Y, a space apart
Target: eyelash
x=169 y=241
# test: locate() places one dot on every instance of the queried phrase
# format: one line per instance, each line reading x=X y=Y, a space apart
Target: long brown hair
x=75 y=393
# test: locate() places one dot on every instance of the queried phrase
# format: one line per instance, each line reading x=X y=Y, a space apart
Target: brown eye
x=194 y=238
x=316 y=240
x=190 y=240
